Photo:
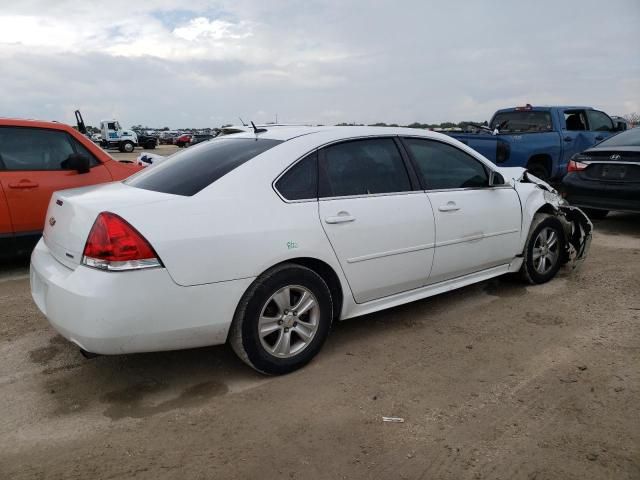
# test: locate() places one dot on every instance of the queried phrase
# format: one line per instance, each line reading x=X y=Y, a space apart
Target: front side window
x=443 y=166
x=522 y=121
x=300 y=182
x=82 y=150
x=362 y=167
x=33 y=148
x=189 y=171
x=599 y=121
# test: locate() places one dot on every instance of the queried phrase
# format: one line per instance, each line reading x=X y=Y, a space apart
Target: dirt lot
x=160 y=150
x=497 y=380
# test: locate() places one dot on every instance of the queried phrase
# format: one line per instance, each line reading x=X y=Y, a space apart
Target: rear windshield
x=189 y=171
x=523 y=121
x=630 y=138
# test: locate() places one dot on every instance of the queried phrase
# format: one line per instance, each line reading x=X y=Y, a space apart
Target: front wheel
x=127 y=147
x=544 y=250
x=282 y=320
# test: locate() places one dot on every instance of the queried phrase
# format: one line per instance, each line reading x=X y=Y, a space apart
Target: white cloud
x=202 y=28
x=324 y=60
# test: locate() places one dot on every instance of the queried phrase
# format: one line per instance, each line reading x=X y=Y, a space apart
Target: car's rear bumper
x=127 y=312
x=601 y=195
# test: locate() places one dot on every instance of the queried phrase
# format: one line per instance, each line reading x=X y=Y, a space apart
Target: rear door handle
x=23 y=184
x=341 y=217
x=568 y=139
x=599 y=137
x=449 y=207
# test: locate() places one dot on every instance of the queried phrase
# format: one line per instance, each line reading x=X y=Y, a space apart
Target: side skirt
x=431 y=290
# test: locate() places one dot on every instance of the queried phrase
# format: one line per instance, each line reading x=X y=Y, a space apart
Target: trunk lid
x=621 y=165
x=71 y=215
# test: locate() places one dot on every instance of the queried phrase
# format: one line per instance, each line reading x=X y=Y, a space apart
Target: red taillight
x=576 y=166
x=113 y=244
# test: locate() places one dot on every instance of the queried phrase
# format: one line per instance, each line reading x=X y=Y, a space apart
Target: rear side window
x=443 y=166
x=522 y=121
x=189 y=171
x=362 y=167
x=300 y=182
x=33 y=148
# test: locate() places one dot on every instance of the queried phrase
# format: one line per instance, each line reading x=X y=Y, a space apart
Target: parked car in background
x=36 y=159
x=325 y=224
x=199 y=138
x=167 y=138
x=541 y=139
x=147 y=141
x=606 y=177
x=183 y=140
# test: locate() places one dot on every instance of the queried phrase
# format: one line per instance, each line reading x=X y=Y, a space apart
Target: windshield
x=628 y=138
x=522 y=121
x=189 y=171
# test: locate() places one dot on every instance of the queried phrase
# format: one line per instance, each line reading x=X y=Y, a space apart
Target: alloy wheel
x=288 y=321
x=546 y=250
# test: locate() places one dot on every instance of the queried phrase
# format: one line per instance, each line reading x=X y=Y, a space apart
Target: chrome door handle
x=342 y=217
x=449 y=207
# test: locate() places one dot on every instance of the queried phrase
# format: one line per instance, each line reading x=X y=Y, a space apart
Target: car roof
x=543 y=108
x=25 y=122
x=334 y=132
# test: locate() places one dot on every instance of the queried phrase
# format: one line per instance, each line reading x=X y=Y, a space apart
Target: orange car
x=36 y=159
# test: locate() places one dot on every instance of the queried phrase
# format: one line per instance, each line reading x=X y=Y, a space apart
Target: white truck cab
x=113 y=136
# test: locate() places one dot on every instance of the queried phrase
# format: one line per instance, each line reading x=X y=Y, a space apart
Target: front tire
x=544 y=251
x=127 y=147
x=282 y=320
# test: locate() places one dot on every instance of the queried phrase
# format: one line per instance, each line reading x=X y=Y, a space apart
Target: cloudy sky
x=204 y=63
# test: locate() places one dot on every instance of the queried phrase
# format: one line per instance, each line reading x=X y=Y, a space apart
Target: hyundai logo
x=615 y=157
x=52 y=221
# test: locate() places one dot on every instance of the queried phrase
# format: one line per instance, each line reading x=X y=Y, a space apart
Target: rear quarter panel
x=236 y=228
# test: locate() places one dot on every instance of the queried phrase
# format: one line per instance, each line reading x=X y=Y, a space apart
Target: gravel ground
x=498 y=380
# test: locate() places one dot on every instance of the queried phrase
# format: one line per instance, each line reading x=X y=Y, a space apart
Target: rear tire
x=544 y=251
x=282 y=320
x=595 y=214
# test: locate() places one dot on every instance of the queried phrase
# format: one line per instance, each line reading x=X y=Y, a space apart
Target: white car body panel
x=476 y=229
x=386 y=233
x=213 y=245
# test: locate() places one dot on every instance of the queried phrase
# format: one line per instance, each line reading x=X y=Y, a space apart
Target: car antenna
x=257 y=130
x=242 y=122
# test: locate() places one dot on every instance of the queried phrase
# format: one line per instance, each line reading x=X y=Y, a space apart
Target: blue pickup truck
x=541 y=139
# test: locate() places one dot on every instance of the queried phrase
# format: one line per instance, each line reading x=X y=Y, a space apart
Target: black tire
x=595 y=214
x=539 y=170
x=125 y=146
x=244 y=337
x=528 y=271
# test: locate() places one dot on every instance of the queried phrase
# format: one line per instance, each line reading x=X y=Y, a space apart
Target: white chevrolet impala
x=262 y=239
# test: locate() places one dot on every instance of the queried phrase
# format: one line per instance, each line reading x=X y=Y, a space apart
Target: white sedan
x=263 y=239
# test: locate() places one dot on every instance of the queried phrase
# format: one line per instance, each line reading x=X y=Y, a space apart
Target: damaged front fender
x=578 y=232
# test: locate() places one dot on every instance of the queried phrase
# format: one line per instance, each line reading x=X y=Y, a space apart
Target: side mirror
x=78 y=162
x=495 y=179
